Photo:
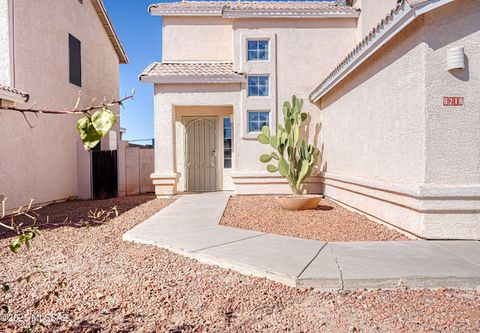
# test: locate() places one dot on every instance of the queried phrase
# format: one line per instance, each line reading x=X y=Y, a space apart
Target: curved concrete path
x=190 y=227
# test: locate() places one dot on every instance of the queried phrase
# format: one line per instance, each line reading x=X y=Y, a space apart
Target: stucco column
x=165 y=177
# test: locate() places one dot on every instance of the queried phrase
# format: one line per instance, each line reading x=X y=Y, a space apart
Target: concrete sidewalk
x=190 y=227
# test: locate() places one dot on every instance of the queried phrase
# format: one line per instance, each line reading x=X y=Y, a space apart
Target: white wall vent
x=456 y=58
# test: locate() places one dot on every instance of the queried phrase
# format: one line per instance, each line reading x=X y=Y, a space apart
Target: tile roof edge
x=403 y=11
x=13 y=94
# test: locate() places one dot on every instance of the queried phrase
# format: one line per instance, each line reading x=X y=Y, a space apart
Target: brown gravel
x=329 y=222
x=116 y=286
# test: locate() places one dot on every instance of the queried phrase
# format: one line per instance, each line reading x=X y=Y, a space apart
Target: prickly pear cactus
x=295 y=159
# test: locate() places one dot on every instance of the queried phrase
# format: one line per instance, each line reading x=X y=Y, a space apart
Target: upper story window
x=258 y=85
x=258 y=119
x=75 y=60
x=257 y=50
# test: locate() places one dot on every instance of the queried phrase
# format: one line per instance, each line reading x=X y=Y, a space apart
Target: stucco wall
x=302 y=53
x=453 y=134
x=372 y=12
x=197 y=39
x=5 y=43
x=139 y=166
x=390 y=148
x=373 y=123
x=41 y=163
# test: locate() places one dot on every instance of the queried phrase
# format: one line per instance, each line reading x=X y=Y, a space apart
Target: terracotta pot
x=299 y=202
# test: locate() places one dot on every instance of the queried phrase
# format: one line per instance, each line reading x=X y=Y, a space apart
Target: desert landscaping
x=112 y=285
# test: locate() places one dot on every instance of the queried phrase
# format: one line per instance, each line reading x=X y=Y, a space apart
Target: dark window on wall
x=75 y=60
x=227 y=143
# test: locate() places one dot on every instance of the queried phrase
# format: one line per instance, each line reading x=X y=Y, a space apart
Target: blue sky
x=141 y=36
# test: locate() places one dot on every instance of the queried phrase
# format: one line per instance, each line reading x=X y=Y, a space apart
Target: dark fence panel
x=104 y=174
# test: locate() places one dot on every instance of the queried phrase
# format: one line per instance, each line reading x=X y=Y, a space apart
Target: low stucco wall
x=390 y=148
x=139 y=165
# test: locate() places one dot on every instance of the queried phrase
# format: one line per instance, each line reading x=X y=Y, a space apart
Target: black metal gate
x=104 y=174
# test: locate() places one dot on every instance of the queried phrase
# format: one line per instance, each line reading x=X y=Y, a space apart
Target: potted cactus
x=294 y=158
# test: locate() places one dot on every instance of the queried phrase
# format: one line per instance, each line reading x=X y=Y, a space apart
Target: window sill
x=250 y=135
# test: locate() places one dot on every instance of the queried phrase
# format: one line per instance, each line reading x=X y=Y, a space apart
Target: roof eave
x=288 y=13
x=404 y=16
x=155 y=11
x=198 y=79
x=13 y=97
x=112 y=34
x=241 y=13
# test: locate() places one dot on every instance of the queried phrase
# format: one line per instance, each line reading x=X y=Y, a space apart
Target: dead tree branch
x=75 y=110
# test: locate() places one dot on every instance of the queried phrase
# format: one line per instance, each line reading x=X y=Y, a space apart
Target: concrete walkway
x=190 y=227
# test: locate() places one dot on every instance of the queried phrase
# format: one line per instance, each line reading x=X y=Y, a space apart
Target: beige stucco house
x=391 y=88
x=49 y=51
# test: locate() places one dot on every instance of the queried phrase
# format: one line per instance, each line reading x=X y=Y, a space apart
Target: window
x=258 y=85
x=258 y=119
x=257 y=50
x=75 y=60
x=227 y=143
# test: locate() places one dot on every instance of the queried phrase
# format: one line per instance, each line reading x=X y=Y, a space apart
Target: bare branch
x=92 y=107
x=78 y=100
x=26 y=120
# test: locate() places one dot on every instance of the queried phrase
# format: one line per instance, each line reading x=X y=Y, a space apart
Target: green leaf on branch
x=5 y=288
x=88 y=134
x=272 y=168
x=15 y=244
x=265 y=158
x=93 y=129
x=103 y=121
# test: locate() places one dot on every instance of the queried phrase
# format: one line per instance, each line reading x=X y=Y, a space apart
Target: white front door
x=200 y=154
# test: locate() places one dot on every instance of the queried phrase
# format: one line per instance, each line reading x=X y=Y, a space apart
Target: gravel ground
x=329 y=222
x=116 y=286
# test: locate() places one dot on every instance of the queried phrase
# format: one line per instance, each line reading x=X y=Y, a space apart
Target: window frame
x=269 y=121
x=231 y=143
x=257 y=49
x=267 y=86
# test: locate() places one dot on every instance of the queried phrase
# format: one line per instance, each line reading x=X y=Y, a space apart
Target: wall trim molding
x=422 y=197
x=287 y=13
x=182 y=79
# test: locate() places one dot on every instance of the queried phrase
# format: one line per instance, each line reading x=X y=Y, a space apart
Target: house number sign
x=453 y=101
